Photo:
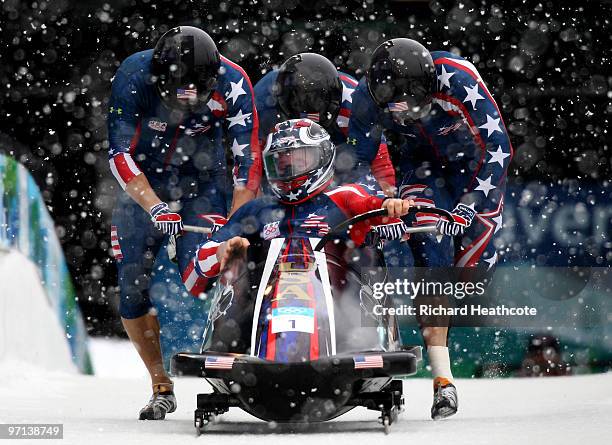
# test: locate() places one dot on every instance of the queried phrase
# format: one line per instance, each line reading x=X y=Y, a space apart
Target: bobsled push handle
x=196 y=229
x=343 y=226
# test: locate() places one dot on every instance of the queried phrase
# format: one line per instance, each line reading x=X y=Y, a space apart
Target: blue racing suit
x=270 y=115
x=459 y=153
x=183 y=157
x=267 y=218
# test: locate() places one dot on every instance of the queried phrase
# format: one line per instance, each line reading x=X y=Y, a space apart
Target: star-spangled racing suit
x=459 y=153
x=270 y=114
x=267 y=218
x=183 y=158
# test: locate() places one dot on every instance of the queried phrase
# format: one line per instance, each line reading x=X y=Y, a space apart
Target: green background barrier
x=25 y=225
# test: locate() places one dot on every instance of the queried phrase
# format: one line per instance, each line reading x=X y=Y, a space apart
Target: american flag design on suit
x=316 y=222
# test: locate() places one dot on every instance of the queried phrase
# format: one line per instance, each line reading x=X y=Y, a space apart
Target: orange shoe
x=445 y=401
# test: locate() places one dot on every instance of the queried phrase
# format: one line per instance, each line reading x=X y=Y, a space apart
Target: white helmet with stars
x=299 y=160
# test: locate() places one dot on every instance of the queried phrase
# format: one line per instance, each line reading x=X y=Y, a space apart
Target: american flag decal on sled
x=368 y=361
x=219 y=362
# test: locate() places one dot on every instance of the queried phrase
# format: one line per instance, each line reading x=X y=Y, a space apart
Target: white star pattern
x=472 y=95
x=491 y=126
x=347 y=94
x=498 y=156
x=237 y=148
x=498 y=223
x=307 y=182
x=294 y=196
x=470 y=254
x=485 y=185
x=236 y=92
x=319 y=172
x=239 y=119
x=445 y=77
x=491 y=261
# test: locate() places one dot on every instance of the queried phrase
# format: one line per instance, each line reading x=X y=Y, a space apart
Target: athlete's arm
x=231 y=249
x=353 y=200
x=468 y=95
x=242 y=195
x=123 y=134
x=139 y=189
x=212 y=255
x=242 y=126
x=365 y=133
x=383 y=170
x=124 y=120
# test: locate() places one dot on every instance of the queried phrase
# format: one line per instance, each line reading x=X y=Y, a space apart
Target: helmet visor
x=294 y=162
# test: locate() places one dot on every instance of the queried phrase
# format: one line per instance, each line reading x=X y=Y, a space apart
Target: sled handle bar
x=197 y=229
x=343 y=226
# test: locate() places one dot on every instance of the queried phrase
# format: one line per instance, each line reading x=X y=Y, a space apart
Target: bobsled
x=292 y=334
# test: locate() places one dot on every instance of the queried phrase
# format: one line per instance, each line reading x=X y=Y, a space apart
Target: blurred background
x=546 y=63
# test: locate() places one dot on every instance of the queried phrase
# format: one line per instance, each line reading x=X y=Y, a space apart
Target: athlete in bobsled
x=299 y=165
x=285 y=338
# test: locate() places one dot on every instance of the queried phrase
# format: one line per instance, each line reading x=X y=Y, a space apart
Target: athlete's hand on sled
x=462 y=219
x=235 y=247
x=165 y=220
x=397 y=207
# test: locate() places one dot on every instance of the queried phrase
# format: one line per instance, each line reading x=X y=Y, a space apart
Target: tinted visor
x=186 y=77
x=294 y=162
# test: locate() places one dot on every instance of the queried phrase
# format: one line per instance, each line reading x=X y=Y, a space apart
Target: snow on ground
x=102 y=410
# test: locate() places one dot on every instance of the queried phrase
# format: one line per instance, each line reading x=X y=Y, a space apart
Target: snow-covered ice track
x=102 y=410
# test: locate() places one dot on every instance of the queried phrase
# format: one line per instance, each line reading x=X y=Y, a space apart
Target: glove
x=168 y=222
x=462 y=218
x=216 y=221
x=393 y=231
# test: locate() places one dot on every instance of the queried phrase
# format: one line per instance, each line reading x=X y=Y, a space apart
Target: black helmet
x=185 y=67
x=402 y=77
x=308 y=86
